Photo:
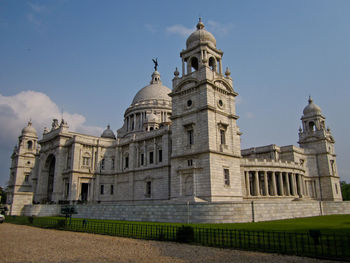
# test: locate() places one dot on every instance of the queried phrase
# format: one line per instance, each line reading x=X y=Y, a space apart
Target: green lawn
x=339 y=224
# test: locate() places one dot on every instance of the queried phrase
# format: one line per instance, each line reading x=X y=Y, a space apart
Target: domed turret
x=108 y=133
x=311 y=108
x=200 y=36
x=29 y=130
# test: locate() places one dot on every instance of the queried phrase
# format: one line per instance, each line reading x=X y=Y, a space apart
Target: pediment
x=223 y=85
x=186 y=84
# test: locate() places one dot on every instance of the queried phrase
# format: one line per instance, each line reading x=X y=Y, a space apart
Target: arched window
x=29 y=145
x=212 y=63
x=194 y=63
x=312 y=126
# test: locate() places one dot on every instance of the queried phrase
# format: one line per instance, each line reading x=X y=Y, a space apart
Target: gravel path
x=29 y=244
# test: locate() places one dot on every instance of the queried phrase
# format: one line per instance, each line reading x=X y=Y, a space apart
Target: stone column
x=288 y=187
x=293 y=184
x=274 y=183
x=257 y=185
x=305 y=186
x=301 y=193
x=280 y=179
x=183 y=67
x=266 y=188
x=141 y=120
x=247 y=183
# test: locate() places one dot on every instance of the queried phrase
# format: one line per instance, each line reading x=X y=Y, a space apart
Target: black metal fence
x=312 y=244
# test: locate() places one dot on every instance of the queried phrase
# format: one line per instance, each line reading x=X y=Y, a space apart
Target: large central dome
x=154 y=91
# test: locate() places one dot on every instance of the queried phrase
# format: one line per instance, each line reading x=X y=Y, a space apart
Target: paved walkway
x=29 y=244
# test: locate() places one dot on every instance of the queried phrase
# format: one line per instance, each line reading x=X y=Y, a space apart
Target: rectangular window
x=150 y=157
x=142 y=159
x=86 y=161
x=66 y=192
x=102 y=164
x=160 y=156
x=148 y=189
x=190 y=137
x=227 y=176
x=112 y=189
x=189 y=162
x=102 y=189
x=26 y=178
x=336 y=188
x=113 y=163
x=222 y=137
x=126 y=162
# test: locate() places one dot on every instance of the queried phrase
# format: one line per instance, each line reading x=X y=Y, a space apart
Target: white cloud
x=17 y=110
x=180 y=30
x=216 y=28
x=38 y=8
x=33 y=19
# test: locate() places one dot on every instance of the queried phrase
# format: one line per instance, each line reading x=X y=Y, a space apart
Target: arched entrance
x=50 y=164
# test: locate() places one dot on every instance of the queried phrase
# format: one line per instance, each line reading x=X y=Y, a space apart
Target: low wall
x=225 y=212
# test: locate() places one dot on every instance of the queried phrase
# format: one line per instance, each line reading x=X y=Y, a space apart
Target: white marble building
x=176 y=145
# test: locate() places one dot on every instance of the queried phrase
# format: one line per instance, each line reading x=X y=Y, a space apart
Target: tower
x=205 y=159
x=318 y=142
x=23 y=157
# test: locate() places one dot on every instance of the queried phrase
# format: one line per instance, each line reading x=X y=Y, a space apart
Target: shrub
x=31 y=220
x=185 y=234
x=61 y=223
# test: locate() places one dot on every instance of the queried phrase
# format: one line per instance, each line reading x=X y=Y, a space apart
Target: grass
x=338 y=224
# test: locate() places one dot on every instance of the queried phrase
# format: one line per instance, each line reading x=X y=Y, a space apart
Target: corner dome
x=311 y=108
x=200 y=36
x=29 y=130
x=108 y=133
x=154 y=91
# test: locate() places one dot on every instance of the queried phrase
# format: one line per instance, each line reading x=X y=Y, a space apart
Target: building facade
x=176 y=145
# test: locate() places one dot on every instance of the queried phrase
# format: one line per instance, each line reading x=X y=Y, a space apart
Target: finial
x=227 y=72
x=30 y=122
x=108 y=127
x=176 y=73
x=155 y=61
x=310 y=99
x=300 y=130
x=200 y=25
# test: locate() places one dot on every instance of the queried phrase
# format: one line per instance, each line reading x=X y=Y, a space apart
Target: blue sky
x=89 y=58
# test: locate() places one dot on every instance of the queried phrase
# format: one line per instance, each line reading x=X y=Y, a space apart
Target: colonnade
x=274 y=183
x=136 y=120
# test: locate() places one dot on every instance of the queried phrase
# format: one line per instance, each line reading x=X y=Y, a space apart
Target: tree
x=345 y=190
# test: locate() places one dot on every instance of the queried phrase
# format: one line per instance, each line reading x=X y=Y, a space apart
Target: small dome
x=311 y=108
x=200 y=36
x=108 y=133
x=154 y=91
x=29 y=130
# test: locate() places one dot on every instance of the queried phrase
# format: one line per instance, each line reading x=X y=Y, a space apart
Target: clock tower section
x=206 y=152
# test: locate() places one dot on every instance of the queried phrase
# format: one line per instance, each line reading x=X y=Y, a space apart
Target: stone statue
x=155 y=63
